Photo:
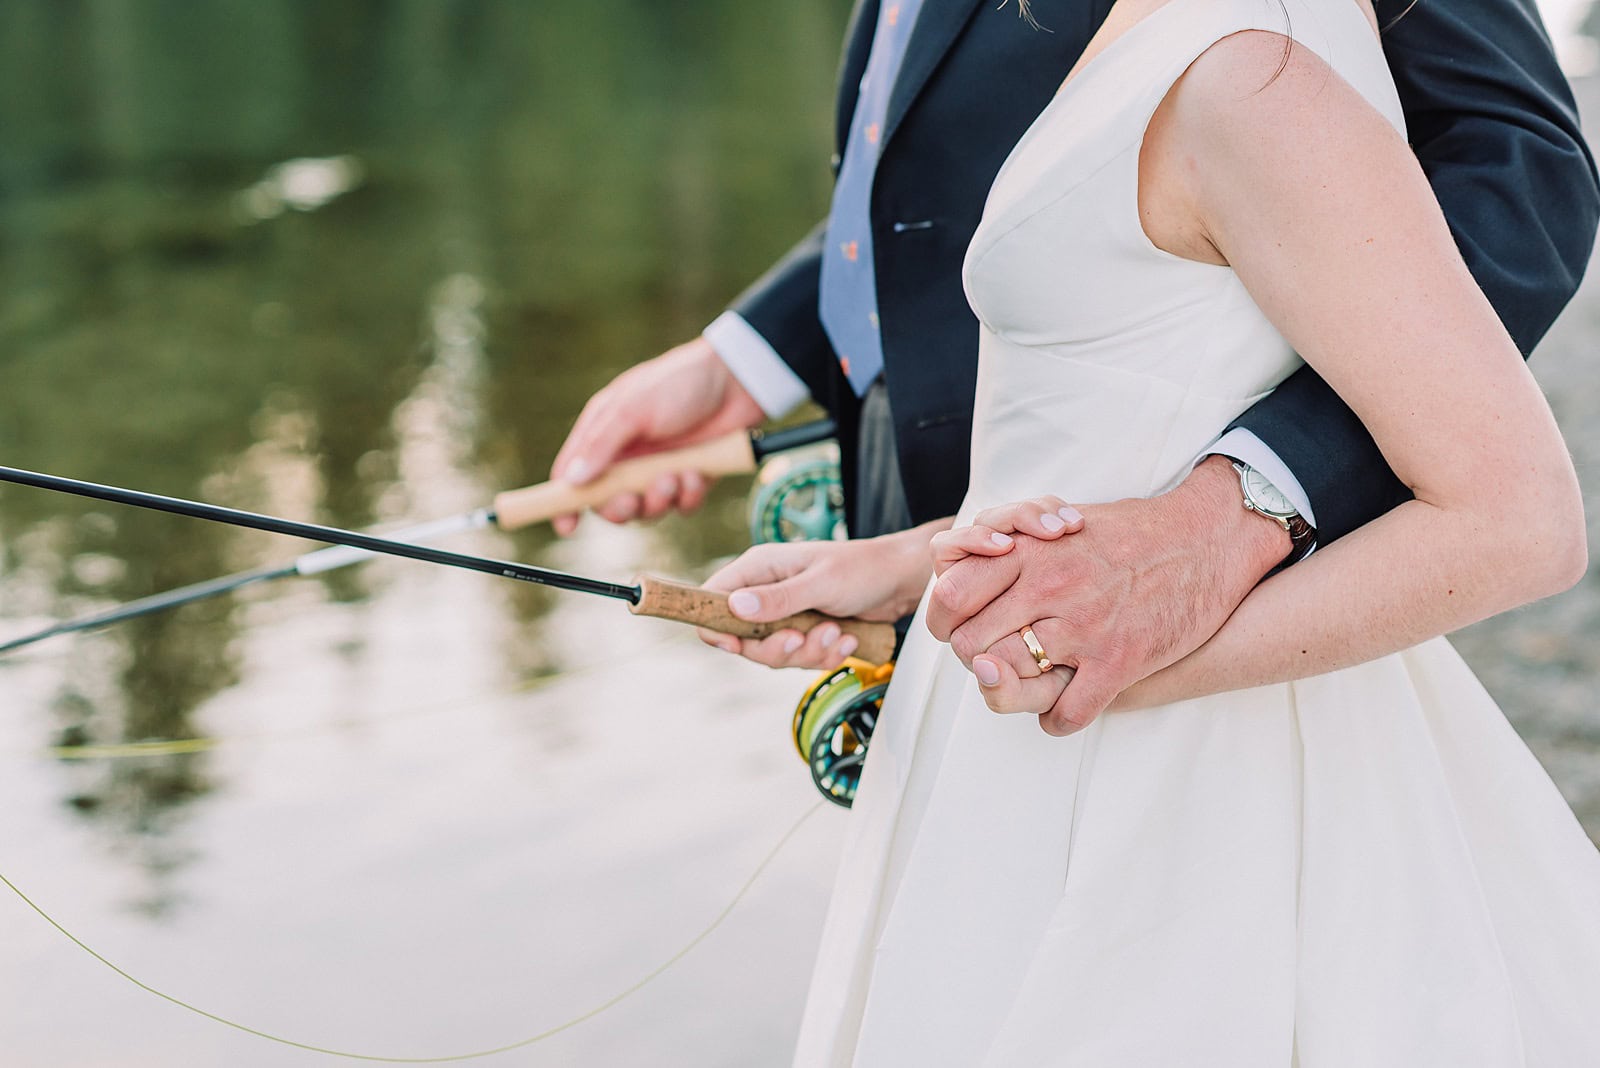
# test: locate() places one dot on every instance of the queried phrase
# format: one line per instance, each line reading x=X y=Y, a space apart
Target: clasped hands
x=1112 y=593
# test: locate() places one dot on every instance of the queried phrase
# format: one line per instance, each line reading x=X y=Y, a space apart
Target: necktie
x=849 y=292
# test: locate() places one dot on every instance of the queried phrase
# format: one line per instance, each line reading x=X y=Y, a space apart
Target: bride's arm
x=1276 y=166
x=1319 y=206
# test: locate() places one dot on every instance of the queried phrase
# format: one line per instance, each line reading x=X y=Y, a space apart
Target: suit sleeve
x=782 y=307
x=1494 y=125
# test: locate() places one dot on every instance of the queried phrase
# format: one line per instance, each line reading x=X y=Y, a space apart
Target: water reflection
x=300 y=185
x=353 y=262
x=508 y=202
x=1572 y=30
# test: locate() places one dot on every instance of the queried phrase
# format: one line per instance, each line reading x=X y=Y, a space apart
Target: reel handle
x=731 y=454
x=665 y=599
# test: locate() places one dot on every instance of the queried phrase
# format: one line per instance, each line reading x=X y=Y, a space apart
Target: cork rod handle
x=665 y=599
x=730 y=454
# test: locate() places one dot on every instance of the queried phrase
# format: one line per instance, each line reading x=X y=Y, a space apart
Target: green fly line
x=566 y=1025
x=170 y=747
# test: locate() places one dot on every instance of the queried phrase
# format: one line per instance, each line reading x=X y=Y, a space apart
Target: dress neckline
x=1112 y=48
x=1075 y=81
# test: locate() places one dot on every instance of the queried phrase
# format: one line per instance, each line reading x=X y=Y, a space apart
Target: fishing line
x=129 y=750
x=610 y=1002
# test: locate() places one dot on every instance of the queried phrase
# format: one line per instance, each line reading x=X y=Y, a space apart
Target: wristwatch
x=1263 y=498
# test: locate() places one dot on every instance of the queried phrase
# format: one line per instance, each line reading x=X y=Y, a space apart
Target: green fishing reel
x=797 y=496
x=833 y=725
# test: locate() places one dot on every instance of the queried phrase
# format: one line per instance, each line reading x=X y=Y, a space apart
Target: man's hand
x=1145 y=583
x=679 y=398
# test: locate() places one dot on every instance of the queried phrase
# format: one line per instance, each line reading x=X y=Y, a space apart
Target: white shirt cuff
x=1241 y=444
x=756 y=364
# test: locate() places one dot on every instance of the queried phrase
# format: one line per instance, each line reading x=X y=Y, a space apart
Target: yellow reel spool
x=833 y=725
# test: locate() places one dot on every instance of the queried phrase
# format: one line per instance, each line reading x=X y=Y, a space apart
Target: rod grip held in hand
x=665 y=599
x=731 y=454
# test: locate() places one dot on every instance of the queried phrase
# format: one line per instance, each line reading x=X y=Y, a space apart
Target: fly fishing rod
x=734 y=453
x=650 y=596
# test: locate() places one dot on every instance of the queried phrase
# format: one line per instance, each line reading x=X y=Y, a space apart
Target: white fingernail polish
x=792 y=642
x=847 y=645
x=1051 y=523
x=1069 y=513
x=577 y=471
x=1000 y=539
x=744 y=603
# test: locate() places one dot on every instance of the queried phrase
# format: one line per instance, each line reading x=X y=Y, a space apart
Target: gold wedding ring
x=1031 y=640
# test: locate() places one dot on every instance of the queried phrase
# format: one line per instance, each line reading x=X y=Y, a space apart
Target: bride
x=1313 y=840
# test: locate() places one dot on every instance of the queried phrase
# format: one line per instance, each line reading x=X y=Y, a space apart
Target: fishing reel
x=798 y=496
x=833 y=725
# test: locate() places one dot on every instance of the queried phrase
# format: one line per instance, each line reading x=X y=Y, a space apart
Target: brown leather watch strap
x=1302 y=536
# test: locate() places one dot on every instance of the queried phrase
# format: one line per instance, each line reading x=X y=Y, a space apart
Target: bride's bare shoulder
x=1255 y=86
x=1256 y=114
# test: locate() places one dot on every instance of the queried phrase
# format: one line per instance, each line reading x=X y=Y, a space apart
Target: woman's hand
x=871 y=578
x=1008 y=689
x=1046 y=518
x=1019 y=687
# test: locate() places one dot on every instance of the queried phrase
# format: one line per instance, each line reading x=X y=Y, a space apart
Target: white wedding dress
x=1362 y=869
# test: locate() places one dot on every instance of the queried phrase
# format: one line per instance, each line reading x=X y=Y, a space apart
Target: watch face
x=1266 y=496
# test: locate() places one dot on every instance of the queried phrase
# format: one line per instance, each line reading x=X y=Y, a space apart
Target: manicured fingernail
x=792 y=642
x=577 y=472
x=744 y=604
x=847 y=645
x=1051 y=523
x=988 y=671
x=1069 y=513
x=829 y=634
x=1000 y=539
x=667 y=485
x=729 y=645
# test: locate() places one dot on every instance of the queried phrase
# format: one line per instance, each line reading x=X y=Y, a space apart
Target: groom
x=867 y=316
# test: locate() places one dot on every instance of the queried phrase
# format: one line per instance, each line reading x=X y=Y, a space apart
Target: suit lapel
x=938 y=25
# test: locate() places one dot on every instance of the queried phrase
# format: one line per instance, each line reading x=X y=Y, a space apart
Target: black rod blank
x=764 y=444
x=313 y=532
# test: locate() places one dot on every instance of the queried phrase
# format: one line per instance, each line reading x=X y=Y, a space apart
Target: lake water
x=360 y=263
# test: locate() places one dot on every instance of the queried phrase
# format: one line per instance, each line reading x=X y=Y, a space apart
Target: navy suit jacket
x=1489 y=114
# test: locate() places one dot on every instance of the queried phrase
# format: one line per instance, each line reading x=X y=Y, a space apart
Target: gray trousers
x=880 y=505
